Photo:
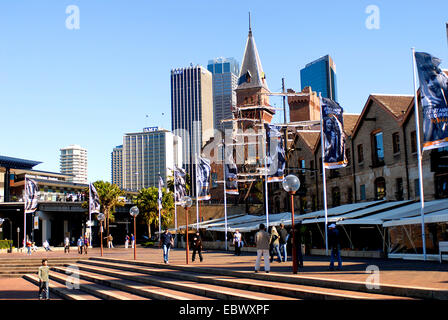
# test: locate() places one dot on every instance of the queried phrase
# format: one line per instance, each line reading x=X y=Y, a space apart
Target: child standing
x=44 y=280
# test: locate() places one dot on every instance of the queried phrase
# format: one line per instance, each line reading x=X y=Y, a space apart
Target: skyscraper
x=192 y=112
x=73 y=161
x=117 y=166
x=225 y=80
x=320 y=75
x=148 y=154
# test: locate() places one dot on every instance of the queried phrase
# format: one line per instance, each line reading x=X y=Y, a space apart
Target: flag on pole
x=31 y=196
x=159 y=200
x=94 y=200
x=333 y=134
x=179 y=185
x=203 y=170
x=231 y=172
x=275 y=153
x=434 y=100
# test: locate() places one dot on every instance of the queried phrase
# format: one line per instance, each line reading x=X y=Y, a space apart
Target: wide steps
x=135 y=288
x=248 y=284
x=190 y=286
x=61 y=290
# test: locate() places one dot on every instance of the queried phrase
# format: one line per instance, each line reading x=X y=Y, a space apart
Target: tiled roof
x=310 y=138
x=350 y=121
x=396 y=104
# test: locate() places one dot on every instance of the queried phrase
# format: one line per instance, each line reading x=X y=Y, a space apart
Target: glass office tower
x=320 y=75
x=225 y=80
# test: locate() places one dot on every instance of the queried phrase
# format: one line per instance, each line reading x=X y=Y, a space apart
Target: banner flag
x=334 y=136
x=434 y=101
x=203 y=170
x=231 y=172
x=275 y=153
x=31 y=196
x=179 y=185
x=159 y=200
x=94 y=200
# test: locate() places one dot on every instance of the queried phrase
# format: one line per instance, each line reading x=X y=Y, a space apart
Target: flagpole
x=225 y=193
x=266 y=181
x=160 y=217
x=90 y=214
x=419 y=156
x=24 y=214
x=197 y=195
x=324 y=182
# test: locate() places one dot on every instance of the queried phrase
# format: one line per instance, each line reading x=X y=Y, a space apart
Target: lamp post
x=10 y=231
x=186 y=203
x=18 y=238
x=291 y=184
x=101 y=218
x=134 y=213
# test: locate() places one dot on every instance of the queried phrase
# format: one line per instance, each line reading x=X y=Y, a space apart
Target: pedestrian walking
x=109 y=241
x=66 y=245
x=28 y=246
x=80 y=244
x=262 y=243
x=126 y=242
x=44 y=280
x=132 y=241
x=166 y=242
x=274 y=242
x=197 y=246
x=86 y=243
x=333 y=242
x=238 y=242
x=283 y=234
x=298 y=243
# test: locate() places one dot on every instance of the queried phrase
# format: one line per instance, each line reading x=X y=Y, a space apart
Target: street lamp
x=134 y=213
x=291 y=184
x=186 y=203
x=10 y=231
x=101 y=218
x=18 y=240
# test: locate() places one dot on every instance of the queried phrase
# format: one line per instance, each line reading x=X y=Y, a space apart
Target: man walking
x=86 y=243
x=298 y=243
x=237 y=242
x=197 y=246
x=109 y=241
x=262 y=244
x=166 y=241
x=283 y=241
x=44 y=280
x=335 y=247
x=66 y=245
x=80 y=244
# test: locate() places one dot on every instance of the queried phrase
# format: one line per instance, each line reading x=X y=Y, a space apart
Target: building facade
x=147 y=155
x=73 y=161
x=117 y=166
x=320 y=75
x=225 y=80
x=192 y=112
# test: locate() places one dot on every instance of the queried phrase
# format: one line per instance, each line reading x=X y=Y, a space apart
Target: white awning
x=359 y=213
x=434 y=217
x=346 y=208
x=252 y=222
x=406 y=211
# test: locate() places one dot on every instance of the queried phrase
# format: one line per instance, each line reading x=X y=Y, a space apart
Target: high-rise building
x=117 y=166
x=73 y=161
x=225 y=80
x=320 y=75
x=192 y=112
x=148 y=154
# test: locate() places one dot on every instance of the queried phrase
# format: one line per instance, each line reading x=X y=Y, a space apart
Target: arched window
x=380 y=188
x=336 y=196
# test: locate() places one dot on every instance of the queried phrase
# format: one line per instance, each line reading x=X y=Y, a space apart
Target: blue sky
x=92 y=85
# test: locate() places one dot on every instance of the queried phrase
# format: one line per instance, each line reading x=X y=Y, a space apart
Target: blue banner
x=159 y=199
x=334 y=136
x=203 y=170
x=180 y=189
x=275 y=153
x=231 y=173
x=434 y=100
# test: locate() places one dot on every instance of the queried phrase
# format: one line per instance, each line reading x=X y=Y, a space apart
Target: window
x=360 y=154
x=417 y=188
x=336 y=196
x=302 y=165
x=378 y=148
x=413 y=142
x=362 y=190
x=349 y=156
x=399 y=189
x=380 y=188
x=396 y=142
x=350 y=195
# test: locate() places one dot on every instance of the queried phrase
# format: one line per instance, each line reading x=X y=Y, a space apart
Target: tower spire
x=250 y=29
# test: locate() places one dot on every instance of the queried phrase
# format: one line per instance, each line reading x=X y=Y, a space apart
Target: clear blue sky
x=92 y=85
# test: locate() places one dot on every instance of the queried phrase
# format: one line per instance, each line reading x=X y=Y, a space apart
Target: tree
x=147 y=203
x=111 y=196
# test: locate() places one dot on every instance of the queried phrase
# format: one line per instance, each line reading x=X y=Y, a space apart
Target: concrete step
x=61 y=290
x=133 y=287
x=385 y=289
x=97 y=290
x=166 y=281
x=262 y=286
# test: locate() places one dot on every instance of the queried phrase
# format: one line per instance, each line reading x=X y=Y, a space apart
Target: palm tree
x=147 y=203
